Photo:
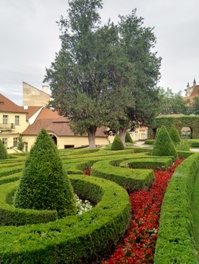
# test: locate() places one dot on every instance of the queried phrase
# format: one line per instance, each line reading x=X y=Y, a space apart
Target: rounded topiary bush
x=163 y=145
x=174 y=135
x=117 y=143
x=128 y=138
x=44 y=184
x=3 y=151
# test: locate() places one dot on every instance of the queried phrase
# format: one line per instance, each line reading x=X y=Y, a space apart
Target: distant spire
x=194 y=81
x=188 y=85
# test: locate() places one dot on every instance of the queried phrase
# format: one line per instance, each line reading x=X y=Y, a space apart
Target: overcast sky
x=29 y=39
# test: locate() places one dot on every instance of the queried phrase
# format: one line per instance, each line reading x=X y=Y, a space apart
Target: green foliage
x=21 y=144
x=3 y=151
x=104 y=73
x=174 y=135
x=127 y=178
x=175 y=243
x=44 y=183
x=183 y=145
x=163 y=145
x=128 y=138
x=172 y=103
x=74 y=239
x=117 y=143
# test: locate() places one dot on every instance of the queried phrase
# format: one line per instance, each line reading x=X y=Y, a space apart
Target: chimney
x=45 y=89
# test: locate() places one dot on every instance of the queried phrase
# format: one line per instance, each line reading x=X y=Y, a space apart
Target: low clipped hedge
x=175 y=243
x=149 y=141
x=73 y=239
x=10 y=215
x=194 y=143
x=149 y=163
x=133 y=179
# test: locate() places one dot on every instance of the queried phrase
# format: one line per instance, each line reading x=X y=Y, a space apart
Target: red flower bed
x=139 y=244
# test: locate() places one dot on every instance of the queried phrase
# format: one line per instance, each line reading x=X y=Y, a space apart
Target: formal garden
x=103 y=205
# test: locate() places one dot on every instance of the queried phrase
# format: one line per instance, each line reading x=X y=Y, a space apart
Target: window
x=15 y=141
x=5 y=119
x=5 y=141
x=17 y=120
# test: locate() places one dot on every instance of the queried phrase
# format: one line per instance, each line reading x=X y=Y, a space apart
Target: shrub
x=163 y=145
x=128 y=138
x=3 y=151
x=44 y=184
x=117 y=143
x=183 y=145
x=174 y=135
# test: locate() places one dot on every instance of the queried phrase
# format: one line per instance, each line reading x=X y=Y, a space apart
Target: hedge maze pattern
x=39 y=236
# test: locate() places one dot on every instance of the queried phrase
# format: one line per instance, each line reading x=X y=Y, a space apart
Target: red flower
x=139 y=245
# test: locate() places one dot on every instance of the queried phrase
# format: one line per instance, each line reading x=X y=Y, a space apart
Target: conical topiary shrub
x=128 y=138
x=174 y=135
x=117 y=143
x=44 y=185
x=3 y=151
x=163 y=145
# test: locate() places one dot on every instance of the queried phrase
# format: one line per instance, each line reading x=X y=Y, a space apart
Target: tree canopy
x=104 y=74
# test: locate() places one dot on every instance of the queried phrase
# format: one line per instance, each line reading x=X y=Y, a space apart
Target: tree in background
x=104 y=75
x=172 y=103
x=44 y=184
x=3 y=151
x=138 y=43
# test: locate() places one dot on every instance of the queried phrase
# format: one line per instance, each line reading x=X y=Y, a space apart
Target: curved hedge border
x=149 y=163
x=10 y=215
x=175 y=243
x=133 y=179
x=73 y=239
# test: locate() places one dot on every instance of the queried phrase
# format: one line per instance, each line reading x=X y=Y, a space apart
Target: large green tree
x=80 y=76
x=103 y=75
x=137 y=44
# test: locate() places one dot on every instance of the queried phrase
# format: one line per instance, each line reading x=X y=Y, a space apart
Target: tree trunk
x=122 y=134
x=91 y=136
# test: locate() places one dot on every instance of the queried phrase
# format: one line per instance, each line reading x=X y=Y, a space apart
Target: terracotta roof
x=7 y=105
x=59 y=126
x=195 y=91
x=47 y=113
x=32 y=110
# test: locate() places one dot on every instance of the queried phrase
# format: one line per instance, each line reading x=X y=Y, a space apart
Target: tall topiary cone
x=128 y=138
x=3 y=151
x=44 y=185
x=117 y=143
x=174 y=135
x=163 y=145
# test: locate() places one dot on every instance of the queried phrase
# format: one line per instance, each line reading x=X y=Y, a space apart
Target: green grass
x=195 y=213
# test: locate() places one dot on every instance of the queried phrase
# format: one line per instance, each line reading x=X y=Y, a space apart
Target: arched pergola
x=179 y=121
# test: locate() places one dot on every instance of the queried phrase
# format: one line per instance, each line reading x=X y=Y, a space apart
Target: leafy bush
x=44 y=184
x=183 y=145
x=117 y=143
x=128 y=138
x=3 y=151
x=174 y=135
x=163 y=145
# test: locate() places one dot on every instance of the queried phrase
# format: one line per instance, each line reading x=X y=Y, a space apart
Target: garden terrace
x=82 y=238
